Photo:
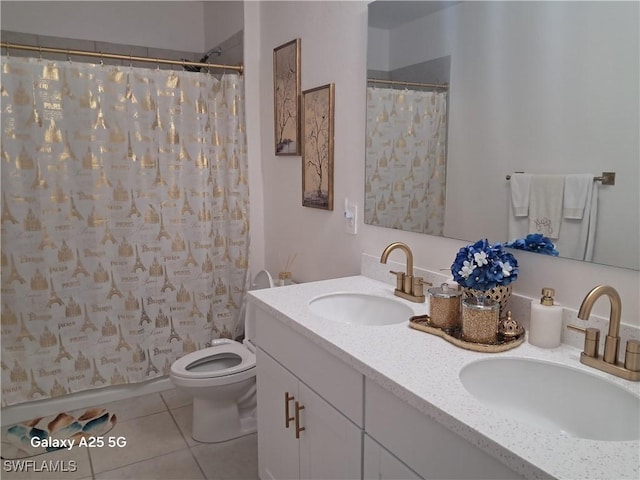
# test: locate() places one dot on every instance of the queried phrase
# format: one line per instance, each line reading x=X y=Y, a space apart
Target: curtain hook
x=101 y=59
x=157 y=63
x=68 y=55
x=130 y=61
x=7 y=47
x=40 y=52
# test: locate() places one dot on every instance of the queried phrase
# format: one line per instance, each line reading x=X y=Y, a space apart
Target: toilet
x=222 y=381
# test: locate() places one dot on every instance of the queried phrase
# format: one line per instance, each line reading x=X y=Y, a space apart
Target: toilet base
x=213 y=422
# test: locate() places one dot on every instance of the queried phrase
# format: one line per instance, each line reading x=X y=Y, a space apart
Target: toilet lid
x=262 y=280
x=217 y=361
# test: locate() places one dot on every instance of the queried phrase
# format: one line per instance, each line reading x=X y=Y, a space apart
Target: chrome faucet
x=609 y=360
x=407 y=286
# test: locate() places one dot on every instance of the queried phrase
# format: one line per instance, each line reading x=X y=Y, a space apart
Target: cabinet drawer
x=335 y=381
x=428 y=448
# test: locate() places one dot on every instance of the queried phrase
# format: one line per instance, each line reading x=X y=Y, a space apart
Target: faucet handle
x=632 y=356
x=399 y=279
x=591 y=339
x=418 y=286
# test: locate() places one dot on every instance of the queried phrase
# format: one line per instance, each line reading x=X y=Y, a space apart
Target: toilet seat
x=223 y=359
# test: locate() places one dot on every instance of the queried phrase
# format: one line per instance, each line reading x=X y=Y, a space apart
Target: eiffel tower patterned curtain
x=124 y=222
x=406 y=159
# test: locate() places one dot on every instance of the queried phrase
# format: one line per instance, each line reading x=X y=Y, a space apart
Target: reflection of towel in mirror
x=520 y=184
x=576 y=187
x=545 y=204
x=578 y=235
x=518 y=224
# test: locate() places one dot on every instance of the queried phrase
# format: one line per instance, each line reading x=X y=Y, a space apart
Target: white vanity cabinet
x=316 y=442
x=421 y=444
x=320 y=418
x=380 y=464
x=309 y=413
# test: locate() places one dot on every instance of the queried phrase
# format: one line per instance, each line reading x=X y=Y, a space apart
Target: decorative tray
x=503 y=343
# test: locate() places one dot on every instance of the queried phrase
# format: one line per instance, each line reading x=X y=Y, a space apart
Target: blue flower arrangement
x=484 y=266
x=534 y=242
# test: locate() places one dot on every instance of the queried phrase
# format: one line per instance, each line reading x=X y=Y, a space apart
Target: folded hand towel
x=520 y=183
x=578 y=235
x=576 y=187
x=545 y=204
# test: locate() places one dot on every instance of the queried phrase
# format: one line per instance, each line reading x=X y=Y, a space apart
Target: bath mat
x=56 y=432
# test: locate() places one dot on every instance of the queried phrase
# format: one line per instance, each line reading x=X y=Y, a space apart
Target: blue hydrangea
x=534 y=242
x=484 y=266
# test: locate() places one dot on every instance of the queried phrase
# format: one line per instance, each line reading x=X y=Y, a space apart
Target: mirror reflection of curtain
x=124 y=222
x=406 y=159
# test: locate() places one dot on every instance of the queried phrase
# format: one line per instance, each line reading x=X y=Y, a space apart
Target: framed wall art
x=286 y=95
x=317 y=147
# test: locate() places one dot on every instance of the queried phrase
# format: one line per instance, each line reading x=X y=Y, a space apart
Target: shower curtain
x=124 y=222
x=406 y=159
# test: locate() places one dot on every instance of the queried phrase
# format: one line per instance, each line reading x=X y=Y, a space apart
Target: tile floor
x=157 y=429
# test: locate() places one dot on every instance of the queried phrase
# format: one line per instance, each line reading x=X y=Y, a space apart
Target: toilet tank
x=262 y=280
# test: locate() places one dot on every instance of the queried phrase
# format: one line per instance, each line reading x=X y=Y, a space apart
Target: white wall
x=334 y=50
x=168 y=25
x=334 y=36
x=221 y=20
x=378 y=50
x=253 y=90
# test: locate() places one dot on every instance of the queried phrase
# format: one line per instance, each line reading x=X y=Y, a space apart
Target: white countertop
x=423 y=370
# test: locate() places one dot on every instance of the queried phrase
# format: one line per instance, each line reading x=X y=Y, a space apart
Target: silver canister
x=444 y=304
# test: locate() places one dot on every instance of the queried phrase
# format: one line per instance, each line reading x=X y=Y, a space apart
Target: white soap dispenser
x=545 y=328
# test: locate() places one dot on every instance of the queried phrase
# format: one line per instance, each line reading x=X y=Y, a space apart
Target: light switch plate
x=351 y=220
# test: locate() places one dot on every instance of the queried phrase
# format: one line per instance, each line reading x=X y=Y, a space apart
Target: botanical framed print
x=317 y=147
x=286 y=95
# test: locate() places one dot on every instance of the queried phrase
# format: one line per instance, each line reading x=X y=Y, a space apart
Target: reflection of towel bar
x=607 y=178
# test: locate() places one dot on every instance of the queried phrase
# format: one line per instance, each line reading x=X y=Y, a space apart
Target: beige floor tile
x=146 y=437
x=136 y=407
x=235 y=459
x=63 y=464
x=173 y=466
x=183 y=417
x=176 y=398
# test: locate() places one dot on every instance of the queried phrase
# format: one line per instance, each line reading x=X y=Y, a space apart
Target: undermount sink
x=555 y=397
x=360 y=309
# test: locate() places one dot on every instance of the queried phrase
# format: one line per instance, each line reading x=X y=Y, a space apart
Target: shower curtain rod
x=115 y=56
x=443 y=86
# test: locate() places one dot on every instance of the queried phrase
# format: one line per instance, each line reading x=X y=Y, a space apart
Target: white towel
x=576 y=188
x=578 y=236
x=520 y=184
x=545 y=204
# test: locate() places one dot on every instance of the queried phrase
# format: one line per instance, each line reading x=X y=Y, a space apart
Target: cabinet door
x=423 y=444
x=278 y=450
x=379 y=464
x=330 y=444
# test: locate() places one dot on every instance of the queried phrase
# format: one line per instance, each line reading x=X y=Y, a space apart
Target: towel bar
x=607 y=178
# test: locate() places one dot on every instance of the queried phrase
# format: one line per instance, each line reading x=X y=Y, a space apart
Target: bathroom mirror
x=535 y=87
